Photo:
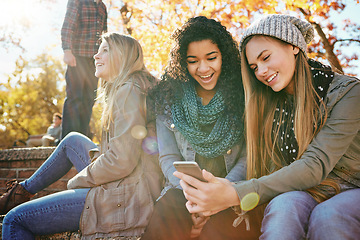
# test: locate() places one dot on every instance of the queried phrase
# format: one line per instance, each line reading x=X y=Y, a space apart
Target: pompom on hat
x=284 y=27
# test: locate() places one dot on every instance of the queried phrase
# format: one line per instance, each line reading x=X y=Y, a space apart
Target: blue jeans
x=81 y=85
x=57 y=212
x=296 y=215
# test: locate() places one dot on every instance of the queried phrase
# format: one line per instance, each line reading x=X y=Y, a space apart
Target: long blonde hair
x=263 y=155
x=126 y=65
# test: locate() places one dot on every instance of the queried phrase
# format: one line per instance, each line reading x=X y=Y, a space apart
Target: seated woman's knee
x=288 y=200
x=325 y=211
x=73 y=137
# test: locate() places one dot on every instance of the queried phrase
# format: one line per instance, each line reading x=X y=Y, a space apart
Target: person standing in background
x=85 y=21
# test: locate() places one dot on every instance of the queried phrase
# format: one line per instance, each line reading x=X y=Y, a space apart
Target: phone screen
x=189 y=168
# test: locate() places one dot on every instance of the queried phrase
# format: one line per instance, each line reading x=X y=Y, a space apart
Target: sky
x=44 y=22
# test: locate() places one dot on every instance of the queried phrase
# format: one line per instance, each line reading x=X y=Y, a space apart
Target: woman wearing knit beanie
x=303 y=139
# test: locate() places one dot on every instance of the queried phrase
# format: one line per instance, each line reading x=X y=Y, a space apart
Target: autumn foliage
x=28 y=106
x=153 y=21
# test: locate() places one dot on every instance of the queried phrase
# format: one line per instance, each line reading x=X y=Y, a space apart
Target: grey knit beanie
x=284 y=27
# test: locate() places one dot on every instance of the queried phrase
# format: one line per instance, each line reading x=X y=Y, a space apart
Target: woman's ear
x=296 y=50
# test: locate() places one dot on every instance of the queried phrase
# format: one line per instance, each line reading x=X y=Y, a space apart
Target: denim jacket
x=174 y=147
x=335 y=148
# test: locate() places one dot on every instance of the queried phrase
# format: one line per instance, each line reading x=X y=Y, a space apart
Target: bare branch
x=329 y=48
x=347 y=40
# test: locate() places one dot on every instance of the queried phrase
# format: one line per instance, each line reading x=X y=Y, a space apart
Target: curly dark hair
x=230 y=82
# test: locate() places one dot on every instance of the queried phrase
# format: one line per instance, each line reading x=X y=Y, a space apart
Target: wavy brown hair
x=230 y=83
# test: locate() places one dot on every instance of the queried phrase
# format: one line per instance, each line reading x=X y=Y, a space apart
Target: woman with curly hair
x=199 y=105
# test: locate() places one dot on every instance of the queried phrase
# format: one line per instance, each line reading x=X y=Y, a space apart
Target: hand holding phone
x=190 y=168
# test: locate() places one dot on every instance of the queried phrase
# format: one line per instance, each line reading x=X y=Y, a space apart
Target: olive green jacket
x=335 y=148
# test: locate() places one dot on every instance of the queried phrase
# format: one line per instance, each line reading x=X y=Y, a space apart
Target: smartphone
x=189 y=168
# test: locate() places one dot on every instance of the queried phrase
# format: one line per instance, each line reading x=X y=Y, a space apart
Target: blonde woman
x=303 y=139
x=110 y=194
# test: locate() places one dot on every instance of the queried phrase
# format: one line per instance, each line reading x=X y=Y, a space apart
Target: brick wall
x=21 y=163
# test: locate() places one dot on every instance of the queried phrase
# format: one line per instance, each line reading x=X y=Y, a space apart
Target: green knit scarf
x=191 y=118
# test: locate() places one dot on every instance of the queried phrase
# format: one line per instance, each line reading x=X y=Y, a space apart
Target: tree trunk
x=329 y=48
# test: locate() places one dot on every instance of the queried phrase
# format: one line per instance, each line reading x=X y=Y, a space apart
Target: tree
x=35 y=90
x=32 y=94
x=153 y=21
x=9 y=39
x=318 y=14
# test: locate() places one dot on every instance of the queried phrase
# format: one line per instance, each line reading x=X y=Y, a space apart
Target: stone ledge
x=68 y=235
x=25 y=153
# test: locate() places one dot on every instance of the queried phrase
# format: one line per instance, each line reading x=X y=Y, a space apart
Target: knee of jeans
x=10 y=217
x=324 y=211
x=72 y=138
x=285 y=202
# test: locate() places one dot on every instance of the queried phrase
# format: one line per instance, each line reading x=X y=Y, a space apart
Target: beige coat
x=119 y=202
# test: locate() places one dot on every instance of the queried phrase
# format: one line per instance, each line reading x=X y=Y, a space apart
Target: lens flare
x=150 y=145
x=249 y=201
x=138 y=132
